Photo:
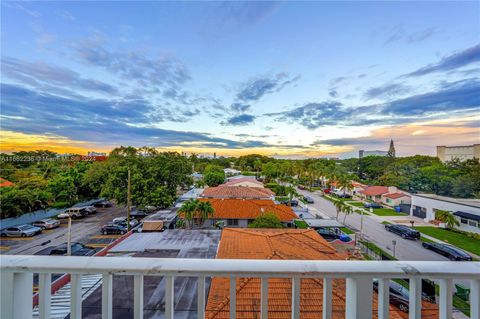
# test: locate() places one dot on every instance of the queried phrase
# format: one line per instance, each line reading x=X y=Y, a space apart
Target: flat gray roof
x=317 y=222
x=460 y=201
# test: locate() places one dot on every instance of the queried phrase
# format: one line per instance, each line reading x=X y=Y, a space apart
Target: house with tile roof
x=244 y=181
x=5 y=183
x=374 y=193
x=241 y=212
x=282 y=244
x=396 y=199
x=240 y=192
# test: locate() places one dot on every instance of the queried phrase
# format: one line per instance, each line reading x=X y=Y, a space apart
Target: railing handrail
x=240 y=267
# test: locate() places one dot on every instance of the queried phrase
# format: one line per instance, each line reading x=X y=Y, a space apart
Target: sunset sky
x=289 y=79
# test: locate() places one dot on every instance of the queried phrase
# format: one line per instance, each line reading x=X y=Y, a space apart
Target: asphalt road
x=374 y=231
x=85 y=230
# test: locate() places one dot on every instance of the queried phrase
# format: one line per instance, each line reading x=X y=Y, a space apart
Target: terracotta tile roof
x=5 y=183
x=236 y=181
x=248 y=209
x=357 y=184
x=237 y=192
x=289 y=244
x=396 y=195
x=375 y=190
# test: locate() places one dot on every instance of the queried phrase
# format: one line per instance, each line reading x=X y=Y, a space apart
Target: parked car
x=103 y=204
x=74 y=212
x=138 y=215
x=451 y=252
x=327 y=191
x=123 y=221
x=404 y=231
x=113 y=229
x=342 y=195
x=90 y=210
x=46 y=223
x=21 y=231
x=308 y=199
x=372 y=205
x=293 y=202
x=77 y=249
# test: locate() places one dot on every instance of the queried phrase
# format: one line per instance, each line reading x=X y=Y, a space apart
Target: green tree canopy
x=267 y=220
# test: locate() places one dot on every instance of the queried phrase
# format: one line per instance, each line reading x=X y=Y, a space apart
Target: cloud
x=240 y=107
x=457 y=96
x=386 y=91
x=161 y=71
x=333 y=93
x=398 y=33
x=255 y=89
x=239 y=120
x=38 y=73
x=66 y=15
x=450 y=62
x=105 y=122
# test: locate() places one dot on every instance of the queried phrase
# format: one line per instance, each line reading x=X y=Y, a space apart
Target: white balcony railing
x=17 y=273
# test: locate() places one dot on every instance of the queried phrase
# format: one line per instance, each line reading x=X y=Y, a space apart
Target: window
x=464 y=220
x=472 y=223
x=232 y=222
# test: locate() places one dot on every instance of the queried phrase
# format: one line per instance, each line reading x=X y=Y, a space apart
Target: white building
x=467 y=211
x=448 y=153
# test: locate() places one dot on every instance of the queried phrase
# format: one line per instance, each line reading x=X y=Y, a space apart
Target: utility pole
x=128 y=202
x=69 y=236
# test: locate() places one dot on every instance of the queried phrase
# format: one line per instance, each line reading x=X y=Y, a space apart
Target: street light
x=69 y=236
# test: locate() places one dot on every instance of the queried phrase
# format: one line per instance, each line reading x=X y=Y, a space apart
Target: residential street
x=374 y=231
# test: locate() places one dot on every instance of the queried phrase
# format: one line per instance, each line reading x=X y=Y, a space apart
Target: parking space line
x=19 y=238
x=104 y=236
x=4 y=247
x=97 y=245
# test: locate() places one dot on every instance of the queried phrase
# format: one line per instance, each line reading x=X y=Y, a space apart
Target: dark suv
x=404 y=231
x=77 y=249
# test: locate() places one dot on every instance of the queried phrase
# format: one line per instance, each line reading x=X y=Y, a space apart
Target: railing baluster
x=22 y=295
x=44 y=295
x=415 y=298
x=169 y=297
x=107 y=296
x=327 y=298
x=76 y=296
x=6 y=294
x=383 y=298
x=475 y=298
x=233 y=297
x=446 y=287
x=358 y=298
x=264 y=299
x=201 y=297
x=138 y=296
x=296 y=282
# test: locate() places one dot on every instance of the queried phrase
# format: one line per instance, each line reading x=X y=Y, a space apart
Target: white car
x=74 y=212
x=90 y=210
x=47 y=223
x=123 y=221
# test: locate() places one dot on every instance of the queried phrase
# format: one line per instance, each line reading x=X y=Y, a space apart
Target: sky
x=284 y=79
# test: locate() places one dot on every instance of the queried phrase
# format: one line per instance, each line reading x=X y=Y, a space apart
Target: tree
x=188 y=210
x=347 y=210
x=213 y=175
x=339 y=206
x=291 y=192
x=204 y=210
x=447 y=217
x=343 y=182
x=267 y=220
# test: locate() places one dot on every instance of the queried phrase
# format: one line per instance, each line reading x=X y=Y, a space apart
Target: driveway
x=373 y=231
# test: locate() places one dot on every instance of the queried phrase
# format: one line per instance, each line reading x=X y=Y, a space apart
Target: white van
x=74 y=212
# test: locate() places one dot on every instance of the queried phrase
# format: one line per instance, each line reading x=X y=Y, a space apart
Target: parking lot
x=85 y=230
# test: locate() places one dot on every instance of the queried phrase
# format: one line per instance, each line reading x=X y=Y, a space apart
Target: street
x=373 y=231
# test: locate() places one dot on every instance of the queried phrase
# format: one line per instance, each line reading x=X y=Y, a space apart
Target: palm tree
x=205 y=210
x=347 y=210
x=344 y=183
x=446 y=217
x=188 y=209
x=291 y=192
x=339 y=206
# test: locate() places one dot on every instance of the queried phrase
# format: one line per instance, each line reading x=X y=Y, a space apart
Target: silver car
x=21 y=231
x=47 y=223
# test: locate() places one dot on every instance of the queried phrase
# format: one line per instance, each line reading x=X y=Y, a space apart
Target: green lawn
x=357 y=204
x=347 y=231
x=386 y=223
x=386 y=212
x=301 y=224
x=457 y=239
x=281 y=198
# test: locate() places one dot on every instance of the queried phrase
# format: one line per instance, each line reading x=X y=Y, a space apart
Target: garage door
x=419 y=212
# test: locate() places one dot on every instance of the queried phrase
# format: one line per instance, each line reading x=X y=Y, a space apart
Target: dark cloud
x=240 y=107
x=451 y=62
x=163 y=70
x=239 y=120
x=258 y=87
x=333 y=93
x=386 y=91
x=456 y=96
x=40 y=73
x=99 y=121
